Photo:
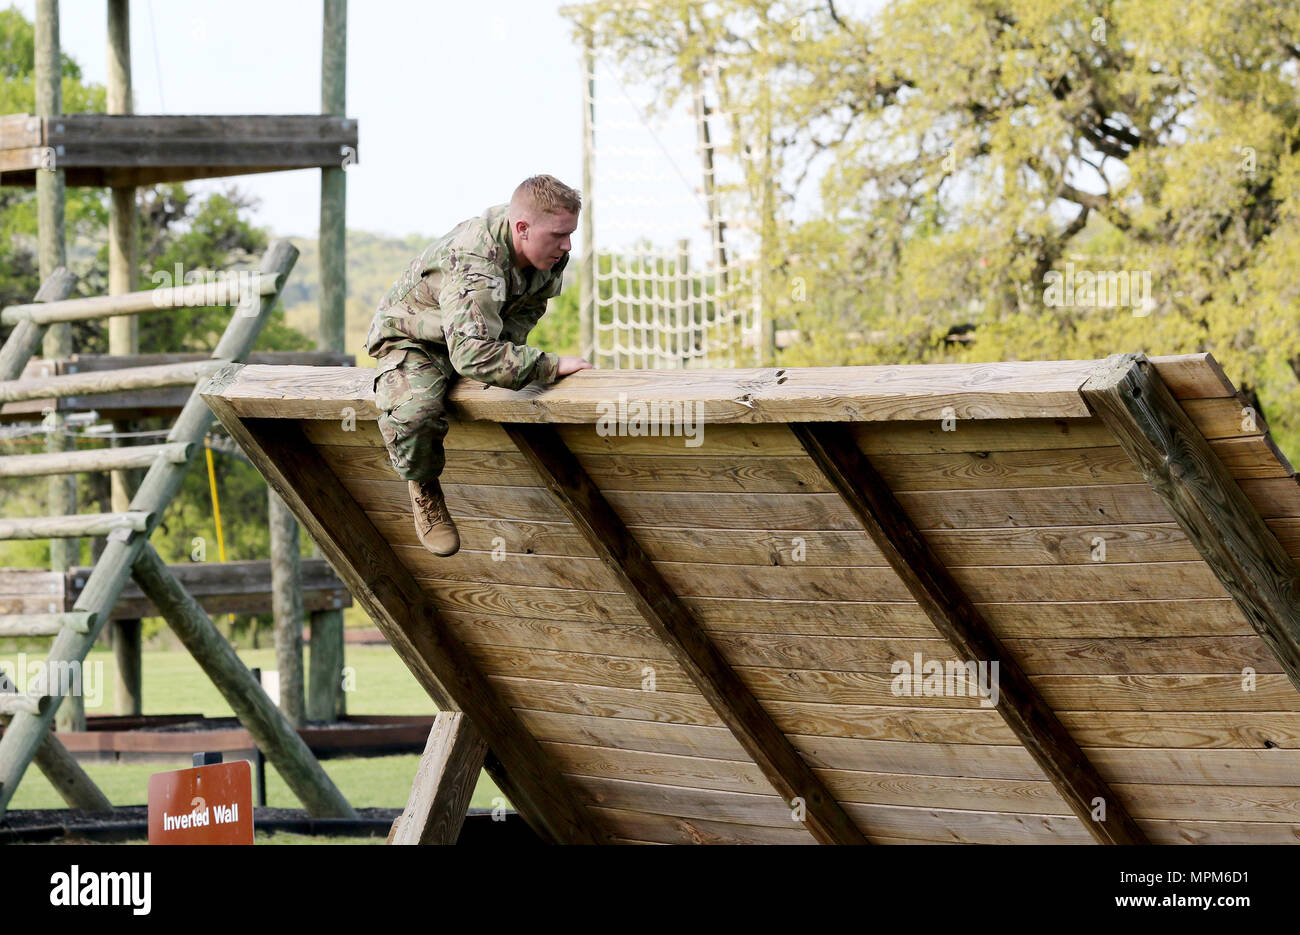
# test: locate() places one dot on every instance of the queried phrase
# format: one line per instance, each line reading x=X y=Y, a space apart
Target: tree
x=964 y=152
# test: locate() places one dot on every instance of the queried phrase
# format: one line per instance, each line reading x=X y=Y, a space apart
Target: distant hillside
x=374 y=263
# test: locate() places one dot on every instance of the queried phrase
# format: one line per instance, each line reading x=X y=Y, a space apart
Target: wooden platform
x=673 y=642
x=164 y=402
x=221 y=588
x=146 y=149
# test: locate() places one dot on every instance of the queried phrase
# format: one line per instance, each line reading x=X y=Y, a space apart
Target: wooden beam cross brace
x=834 y=450
x=674 y=624
x=444 y=783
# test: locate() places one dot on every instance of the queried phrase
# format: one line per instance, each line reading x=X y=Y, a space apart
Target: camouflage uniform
x=461 y=307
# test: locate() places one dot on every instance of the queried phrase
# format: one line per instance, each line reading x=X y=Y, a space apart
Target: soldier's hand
x=570 y=365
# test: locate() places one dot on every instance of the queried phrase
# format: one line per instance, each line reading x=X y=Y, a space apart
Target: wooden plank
x=227 y=289
x=1095 y=619
x=747 y=808
x=1146 y=800
x=1198 y=771
x=1027 y=507
x=409 y=620
x=1028 y=389
x=90 y=459
x=163 y=127
x=1193 y=376
x=1056 y=656
x=645 y=727
x=72 y=527
x=626 y=720
x=1247 y=457
x=1042 y=545
x=1214 y=512
x=1225 y=417
x=86 y=363
x=588 y=510
x=49 y=624
x=227 y=587
x=670 y=829
x=1034 y=722
x=108 y=381
x=444 y=783
x=1089 y=692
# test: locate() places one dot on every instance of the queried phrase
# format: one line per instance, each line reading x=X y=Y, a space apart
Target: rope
x=216 y=503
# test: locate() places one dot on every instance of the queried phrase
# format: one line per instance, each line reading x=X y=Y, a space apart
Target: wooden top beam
x=860 y=394
x=144 y=149
x=1014 y=390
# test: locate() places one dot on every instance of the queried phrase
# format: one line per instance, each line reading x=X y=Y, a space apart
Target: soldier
x=466 y=306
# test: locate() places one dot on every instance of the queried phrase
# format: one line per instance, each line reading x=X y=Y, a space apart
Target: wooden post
x=128 y=691
x=123 y=334
x=49 y=177
x=286 y=607
x=327 y=641
x=65 y=774
x=444 y=783
x=52 y=246
x=587 y=288
x=333 y=201
x=768 y=224
x=326 y=700
x=69 y=779
x=27 y=335
x=270 y=729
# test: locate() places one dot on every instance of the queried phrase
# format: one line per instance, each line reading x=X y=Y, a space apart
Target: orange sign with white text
x=204 y=805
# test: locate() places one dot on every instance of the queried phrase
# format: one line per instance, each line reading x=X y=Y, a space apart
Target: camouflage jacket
x=464 y=296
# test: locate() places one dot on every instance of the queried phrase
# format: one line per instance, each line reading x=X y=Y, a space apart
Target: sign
x=203 y=805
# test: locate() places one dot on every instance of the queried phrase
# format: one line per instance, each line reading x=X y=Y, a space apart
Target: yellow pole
x=216 y=504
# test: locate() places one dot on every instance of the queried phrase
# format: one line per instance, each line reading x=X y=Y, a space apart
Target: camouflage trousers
x=410 y=386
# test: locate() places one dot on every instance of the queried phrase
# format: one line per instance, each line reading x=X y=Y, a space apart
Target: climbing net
x=668 y=291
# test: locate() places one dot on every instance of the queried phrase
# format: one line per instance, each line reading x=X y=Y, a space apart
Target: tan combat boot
x=432 y=520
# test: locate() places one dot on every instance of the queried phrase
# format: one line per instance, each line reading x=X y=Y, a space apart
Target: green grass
x=174 y=684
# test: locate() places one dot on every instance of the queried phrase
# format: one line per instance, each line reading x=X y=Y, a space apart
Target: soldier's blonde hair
x=545 y=194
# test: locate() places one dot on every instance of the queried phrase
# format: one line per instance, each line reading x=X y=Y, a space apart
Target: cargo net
x=669 y=293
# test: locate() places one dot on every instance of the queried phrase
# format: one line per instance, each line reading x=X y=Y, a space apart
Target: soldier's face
x=548 y=239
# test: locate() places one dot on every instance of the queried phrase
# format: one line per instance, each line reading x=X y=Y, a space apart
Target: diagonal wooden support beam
x=444 y=783
x=770 y=749
x=286 y=750
x=834 y=450
x=1127 y=393
x=66 y=775
x=378 y=579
